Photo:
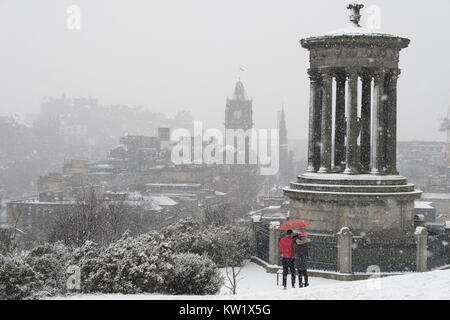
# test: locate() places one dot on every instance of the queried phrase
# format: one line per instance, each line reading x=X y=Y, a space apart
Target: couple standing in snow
x=294 y=255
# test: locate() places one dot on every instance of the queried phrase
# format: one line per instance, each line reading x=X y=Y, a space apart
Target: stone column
x=377 y=148
x=274 y=247
x=352 y=125
x=421 y=235
x=339 y=130
x=318 y=125
x=366 y=95
x=391 y=123
x=313 y=115
x=327 y=121
x=345 y=239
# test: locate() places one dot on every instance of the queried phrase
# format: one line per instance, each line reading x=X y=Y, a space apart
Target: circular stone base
x=340 y=186
x=361 y=202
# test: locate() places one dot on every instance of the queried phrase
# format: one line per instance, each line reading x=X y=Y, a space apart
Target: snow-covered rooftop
x=163 y=201
x=436 y=196
x=423 y=205
x=148 y=205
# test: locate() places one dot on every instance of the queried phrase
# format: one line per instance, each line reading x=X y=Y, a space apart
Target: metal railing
x=387 y=255
x=323 y=252
x=437 y=252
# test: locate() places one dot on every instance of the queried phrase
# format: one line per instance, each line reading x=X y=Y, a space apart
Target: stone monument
x=352 y=179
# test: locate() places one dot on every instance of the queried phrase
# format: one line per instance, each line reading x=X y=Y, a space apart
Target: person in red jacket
x=288 y=257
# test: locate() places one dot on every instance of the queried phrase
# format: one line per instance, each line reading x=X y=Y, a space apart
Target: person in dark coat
x=301 y=258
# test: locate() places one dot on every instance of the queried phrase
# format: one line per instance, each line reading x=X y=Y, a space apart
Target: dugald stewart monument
x=351 y=179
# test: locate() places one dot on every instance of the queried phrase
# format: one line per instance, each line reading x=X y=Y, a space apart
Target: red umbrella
x=294 y=224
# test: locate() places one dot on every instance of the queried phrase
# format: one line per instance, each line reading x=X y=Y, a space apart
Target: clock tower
x=238 y=115
x=238 y=112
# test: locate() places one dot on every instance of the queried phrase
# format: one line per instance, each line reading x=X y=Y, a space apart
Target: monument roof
x=354 y=32
x=357 y=31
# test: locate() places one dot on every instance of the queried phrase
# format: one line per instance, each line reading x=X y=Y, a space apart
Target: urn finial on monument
x=355 y=14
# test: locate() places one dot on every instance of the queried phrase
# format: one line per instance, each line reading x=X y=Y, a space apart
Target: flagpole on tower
x=240 y=71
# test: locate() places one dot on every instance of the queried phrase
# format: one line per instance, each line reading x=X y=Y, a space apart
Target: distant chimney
x=164 y=133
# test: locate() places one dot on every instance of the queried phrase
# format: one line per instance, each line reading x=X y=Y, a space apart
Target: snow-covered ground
x=257 y=284
x=253 y=279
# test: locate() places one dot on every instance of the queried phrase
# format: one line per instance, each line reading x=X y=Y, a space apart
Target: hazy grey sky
x=169 y=55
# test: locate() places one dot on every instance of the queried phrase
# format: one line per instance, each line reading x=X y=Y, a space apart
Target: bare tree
x=6 y=240
x=218 y=214
x=117 y=219
x=79 y=222
x=237 y=247
x=232 y=274
x=8 y=236
x=100 y=220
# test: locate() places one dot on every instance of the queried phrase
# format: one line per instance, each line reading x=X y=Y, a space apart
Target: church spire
x=286 y=165
x=282 y=127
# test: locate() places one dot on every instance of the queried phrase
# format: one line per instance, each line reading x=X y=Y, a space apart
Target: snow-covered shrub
x=129 y=265
x=180 y=259
x=87 y=258
x=147 y=263
x=49 y=262
x=17 y=279
x=225 y=245
x=193 y=274
x=229 y=245
x=36 y=274
x=186 y=235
